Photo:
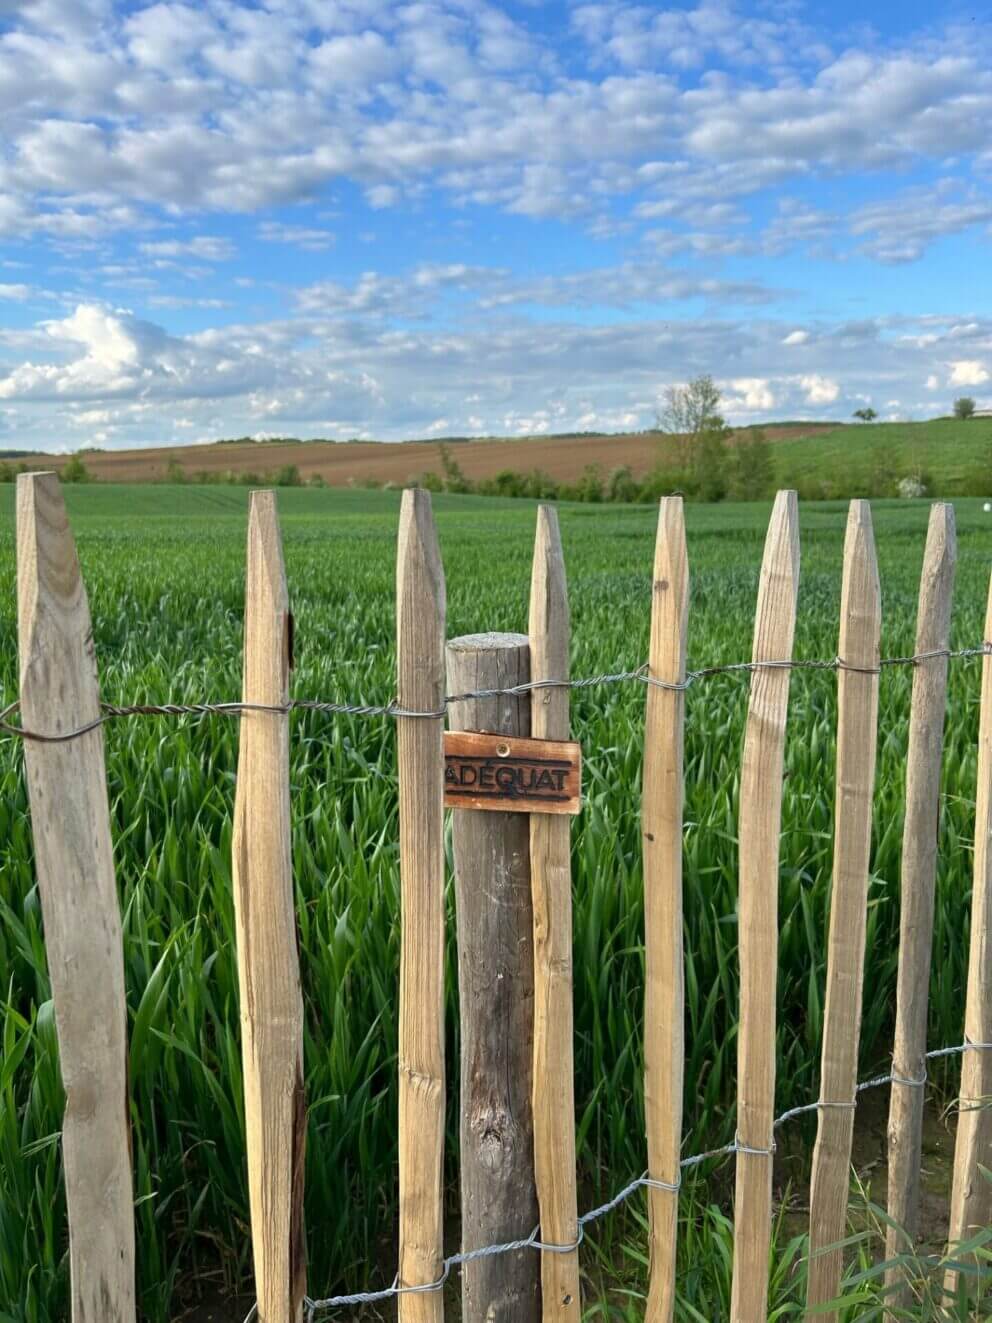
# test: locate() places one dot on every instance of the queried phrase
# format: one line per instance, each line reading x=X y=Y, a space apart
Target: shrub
x=912 y=487
x=621 y=485
x=75 y=471
x=454 y=479
x=752 y=472
x=288 y=476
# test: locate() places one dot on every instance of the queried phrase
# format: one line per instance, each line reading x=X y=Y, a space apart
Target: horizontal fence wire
x=314 y=1306
x=111 y=712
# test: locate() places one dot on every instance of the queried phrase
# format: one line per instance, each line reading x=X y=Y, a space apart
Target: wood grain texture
x=496 y=1001
x=551 y=890
x=971 y=1193
x=661 y=845
x=918 y=874
x=70 y=818
x=420 y=628
x=857 y=732
x=759 y=829
x=500 y=775
x=265 y=927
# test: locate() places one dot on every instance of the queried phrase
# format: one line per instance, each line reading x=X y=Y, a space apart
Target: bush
x=454 y=479
x=590 y=485
x=752 y=472
x=288 y=476
x=710 y=464
x=75 y=471
x=621 y=485
x=912 y=487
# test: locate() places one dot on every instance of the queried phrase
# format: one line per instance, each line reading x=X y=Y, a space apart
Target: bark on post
x=496 y=996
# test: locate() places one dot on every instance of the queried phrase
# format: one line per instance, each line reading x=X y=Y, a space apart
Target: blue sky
x=358 y=218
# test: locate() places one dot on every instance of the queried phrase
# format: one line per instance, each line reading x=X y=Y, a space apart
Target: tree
x=964 y=407
x=867 y=415
x=688 y=412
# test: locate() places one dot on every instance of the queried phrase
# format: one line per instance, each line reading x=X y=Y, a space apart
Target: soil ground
x=340 y=463
x=792 y=1183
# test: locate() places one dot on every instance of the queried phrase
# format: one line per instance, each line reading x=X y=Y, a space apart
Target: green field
x=954 y=457
x=164 y=567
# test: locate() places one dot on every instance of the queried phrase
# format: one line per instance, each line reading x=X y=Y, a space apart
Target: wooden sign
x=511 y=775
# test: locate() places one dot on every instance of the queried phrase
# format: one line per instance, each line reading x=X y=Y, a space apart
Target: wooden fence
x=68 y=798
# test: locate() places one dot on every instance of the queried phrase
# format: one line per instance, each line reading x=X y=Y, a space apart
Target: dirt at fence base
x=792 y=1172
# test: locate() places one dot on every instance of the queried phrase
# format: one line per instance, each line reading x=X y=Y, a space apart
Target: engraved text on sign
x=511 y=775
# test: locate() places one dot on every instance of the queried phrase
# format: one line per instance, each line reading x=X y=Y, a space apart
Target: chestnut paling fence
x=60 y=717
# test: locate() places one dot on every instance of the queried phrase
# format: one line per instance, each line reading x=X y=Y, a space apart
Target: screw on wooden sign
x=511 y=775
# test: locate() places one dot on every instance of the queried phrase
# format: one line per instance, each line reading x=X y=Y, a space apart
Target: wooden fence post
x=551 y=889
x=759 y=828
x=971 y=1194
x=857 y=726
x=420 y=627
x=661 y=844
x=265 y=921
x=496 y=1001
x=918 y=874
x=70 y=818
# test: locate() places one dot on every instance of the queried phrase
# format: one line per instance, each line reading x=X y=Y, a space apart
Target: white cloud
x=16 y=293
x=796 y=338
x=231 y=107
x=346 y=367
x=753 y=394
x=933 y=382
x=300 y=236
x=205 y=247
x=968 y=372
x=819 y=390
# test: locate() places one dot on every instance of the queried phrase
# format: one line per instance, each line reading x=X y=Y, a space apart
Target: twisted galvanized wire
x=110 y=711
x=314 y=1307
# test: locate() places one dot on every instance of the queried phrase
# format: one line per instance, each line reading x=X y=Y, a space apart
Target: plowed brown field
x=563 y=457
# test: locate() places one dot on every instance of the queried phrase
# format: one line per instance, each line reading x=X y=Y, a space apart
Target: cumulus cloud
x=346 y=369
x=796 y=338
x=819 y=390
x=233 y=107
x=968 y=372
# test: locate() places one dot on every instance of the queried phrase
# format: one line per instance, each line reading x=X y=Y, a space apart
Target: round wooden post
x=496 y=996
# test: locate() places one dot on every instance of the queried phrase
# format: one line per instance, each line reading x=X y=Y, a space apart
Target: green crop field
x=164 y=567
x=954 y=457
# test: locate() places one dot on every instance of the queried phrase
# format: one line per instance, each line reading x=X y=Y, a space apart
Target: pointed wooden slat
x=420 y=627
x=918 y=876
x=70 y=818
x=551 y=888
x=265 y=920
x=857 y=725
x=759 y=829
x=971 y=1194
x=661 y=844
